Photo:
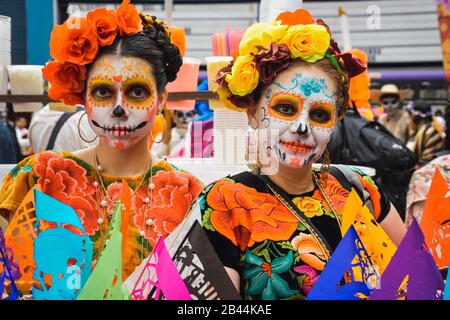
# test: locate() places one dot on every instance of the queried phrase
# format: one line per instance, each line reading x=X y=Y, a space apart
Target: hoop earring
x=164 y=133
x=252 y=153
x=325 y=168
x=79 y=131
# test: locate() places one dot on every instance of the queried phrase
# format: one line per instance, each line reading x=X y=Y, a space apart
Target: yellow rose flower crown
x=266 y=49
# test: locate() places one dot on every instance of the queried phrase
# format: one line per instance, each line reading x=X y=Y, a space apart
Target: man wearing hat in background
x=395 y=119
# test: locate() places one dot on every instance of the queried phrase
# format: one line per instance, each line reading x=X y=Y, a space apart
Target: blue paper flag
x=412 y=273
x=349 y=257
x=9 y=271
x=63 y=258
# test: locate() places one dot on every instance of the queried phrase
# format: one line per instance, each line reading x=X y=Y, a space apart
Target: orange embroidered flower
x=173 y=194
x=65 y=75
x=310 y=206
x=375 y=196
x=66 y=181
x=245 y=216
x=103 y=23
x=128 y=19
x=301 y=16
x=74 y=41
x=336 y=193
x=309 y=250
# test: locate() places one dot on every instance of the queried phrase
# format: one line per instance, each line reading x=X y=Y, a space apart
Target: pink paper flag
x=160 y=273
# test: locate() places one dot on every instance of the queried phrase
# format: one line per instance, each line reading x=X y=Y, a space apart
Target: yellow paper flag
x=377 y=243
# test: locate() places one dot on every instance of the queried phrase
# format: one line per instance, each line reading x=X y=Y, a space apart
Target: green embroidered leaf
x=286 y=245
x=369 y=180
x=329 y=213
x=300 y=280
x=301 y=227
x=205 y=220
x=265 y=254
x=257 y=249
x=297 y=259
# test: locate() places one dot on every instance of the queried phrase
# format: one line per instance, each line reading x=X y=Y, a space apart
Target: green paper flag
x=105 y=282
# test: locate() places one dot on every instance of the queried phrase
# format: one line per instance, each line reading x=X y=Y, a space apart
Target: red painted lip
x=296 y=147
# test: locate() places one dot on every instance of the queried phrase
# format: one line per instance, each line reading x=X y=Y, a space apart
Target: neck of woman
x=130 y=162
x=294 y=180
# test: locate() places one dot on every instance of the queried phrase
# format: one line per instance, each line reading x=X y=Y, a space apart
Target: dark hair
x=153 y=45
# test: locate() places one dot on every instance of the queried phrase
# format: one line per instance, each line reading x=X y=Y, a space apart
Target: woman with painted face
x=275 y=229
x=117 y=63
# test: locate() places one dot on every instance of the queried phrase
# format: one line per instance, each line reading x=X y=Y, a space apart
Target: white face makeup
x=299 y=109
x=390 y=103
x=121 y=100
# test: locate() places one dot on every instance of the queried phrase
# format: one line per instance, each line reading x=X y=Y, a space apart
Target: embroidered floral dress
x=276 y=255
x=70 y=180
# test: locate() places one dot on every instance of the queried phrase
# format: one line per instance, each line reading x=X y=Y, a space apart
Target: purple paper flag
x=8 y=270
x=350 y=256
x=412 y=274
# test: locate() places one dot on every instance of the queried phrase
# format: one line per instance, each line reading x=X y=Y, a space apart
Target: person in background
x=427 y=135
x=9 y=148
x=58 y=131
x=22 y=136
x=395 y=119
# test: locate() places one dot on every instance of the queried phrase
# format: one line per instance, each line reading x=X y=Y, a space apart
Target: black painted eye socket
x=320 y=115
x=137 y=92
x=285 y=109
x=102 y=93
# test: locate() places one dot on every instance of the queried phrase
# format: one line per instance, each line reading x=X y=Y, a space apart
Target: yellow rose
x=244 y=77
x=310 y=206
x=308 y=42
x=260 y=35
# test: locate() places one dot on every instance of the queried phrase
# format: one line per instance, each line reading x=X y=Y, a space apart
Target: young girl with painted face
x=275 y=229
x=117 y=63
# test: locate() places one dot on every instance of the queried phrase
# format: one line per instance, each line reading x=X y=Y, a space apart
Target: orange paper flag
x=435 y=222
x=377 y=243
x=19 y=236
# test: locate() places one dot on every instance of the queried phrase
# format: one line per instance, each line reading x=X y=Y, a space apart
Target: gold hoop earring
x=325 y=168
x=164 y=133
x=79 y=130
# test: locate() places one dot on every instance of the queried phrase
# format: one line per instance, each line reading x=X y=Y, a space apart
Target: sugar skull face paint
x=121 y=100
x=300 y=106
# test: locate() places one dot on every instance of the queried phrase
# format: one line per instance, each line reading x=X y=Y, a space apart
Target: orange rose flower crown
x=267 y=49
x=76 y=42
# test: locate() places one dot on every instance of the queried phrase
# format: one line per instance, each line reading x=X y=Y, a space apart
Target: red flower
x=272 y=61
x=66 y=181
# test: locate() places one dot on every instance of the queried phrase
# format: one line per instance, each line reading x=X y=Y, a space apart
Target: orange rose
x=310 y=251
x=74 y=41
x=65 y=75
x=173 y=194
x=66 y=181
x=104 y=24
x=246 y=216
x=69 y=98
x=128 y=19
